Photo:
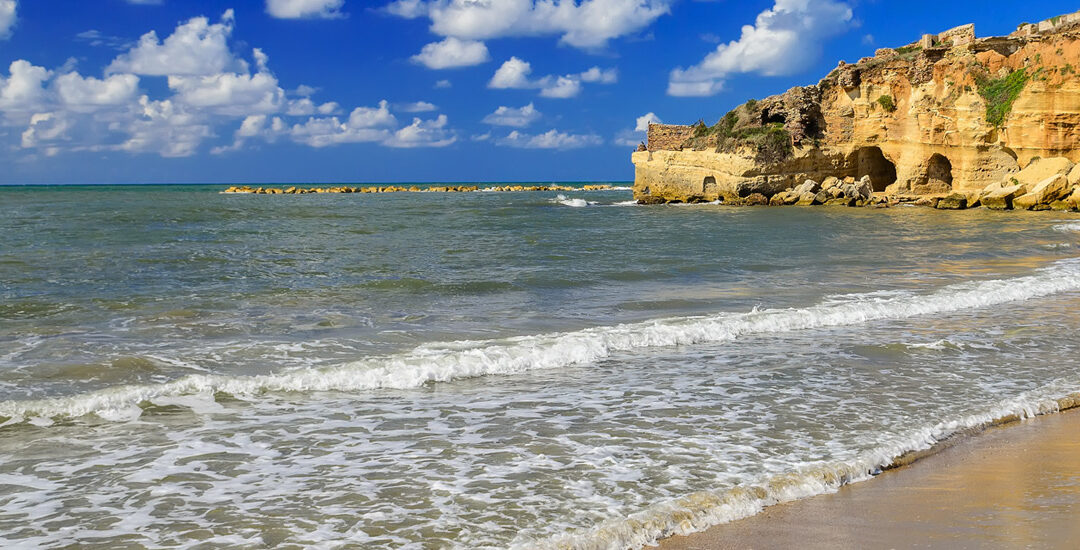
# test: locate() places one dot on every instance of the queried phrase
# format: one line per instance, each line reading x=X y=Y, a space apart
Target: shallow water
x=493 y=369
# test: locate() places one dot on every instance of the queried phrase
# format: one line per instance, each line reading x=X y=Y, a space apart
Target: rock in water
x=955 y=201
x=1002 y=199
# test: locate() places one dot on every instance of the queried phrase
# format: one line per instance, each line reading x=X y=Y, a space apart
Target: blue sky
x=409 y=90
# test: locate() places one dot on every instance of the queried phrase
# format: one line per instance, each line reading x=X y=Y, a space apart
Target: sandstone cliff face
x=950 y=113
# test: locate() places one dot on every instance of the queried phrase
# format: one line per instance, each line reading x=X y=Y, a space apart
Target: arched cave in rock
x=939 y=172
x=870 y=161
x=709 y=184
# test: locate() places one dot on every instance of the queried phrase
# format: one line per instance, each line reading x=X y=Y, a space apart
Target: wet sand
x=1012 y=486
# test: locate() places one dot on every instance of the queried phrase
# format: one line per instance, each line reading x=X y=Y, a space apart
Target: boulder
x=808 y=186
x=756 y=199
x=955 y=201
x=1002 y=199
x=806 y=199
x=1045 y=192
x=1039 y=170
x=778 y=199
x=864 y=188
x=927 y=201
x=1074 y=176
x=822 y=197
x=834 y=192
x=830 y=182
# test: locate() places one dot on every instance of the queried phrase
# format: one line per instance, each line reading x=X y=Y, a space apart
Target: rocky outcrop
x=246 y=189
x=948 y=114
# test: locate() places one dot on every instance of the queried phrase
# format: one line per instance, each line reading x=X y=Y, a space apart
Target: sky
x=364 y=91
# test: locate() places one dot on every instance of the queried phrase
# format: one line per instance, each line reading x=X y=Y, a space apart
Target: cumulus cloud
x=423 y=133
x=195 y=48
x=88 y=93
x=517 y=118
x=452 y=53
x=514 y=74
x=22 y=90
x=209 y=87
x=417 y=107
x=298 y=9
x=7 y=18
x=587 y=24
x=552 y=139
x=784 y=39
x=631 y=138
x=643 y=122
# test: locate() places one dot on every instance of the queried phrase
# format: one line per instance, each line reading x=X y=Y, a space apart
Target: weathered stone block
x=1002 y=199
x=955 y=201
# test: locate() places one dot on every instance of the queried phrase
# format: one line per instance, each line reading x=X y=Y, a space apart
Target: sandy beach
x=1013 y=486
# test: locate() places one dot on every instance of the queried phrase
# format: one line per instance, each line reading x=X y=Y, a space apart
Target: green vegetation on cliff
x=1000 y=93
x=772 y=141
x=886 y=102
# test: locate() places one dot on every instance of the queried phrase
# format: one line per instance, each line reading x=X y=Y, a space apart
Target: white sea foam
x=1071 y=227
x=575 y=203
x=701 y=510
x=445 y=362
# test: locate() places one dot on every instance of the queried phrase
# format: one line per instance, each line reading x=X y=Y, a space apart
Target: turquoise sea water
x=180 y=367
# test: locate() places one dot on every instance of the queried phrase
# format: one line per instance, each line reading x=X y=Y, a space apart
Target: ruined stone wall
x=668 y=137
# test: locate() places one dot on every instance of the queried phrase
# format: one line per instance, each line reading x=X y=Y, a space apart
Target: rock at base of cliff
x=1002 y=199
x=1045 y=192
x=955 y=201
x=756 y=199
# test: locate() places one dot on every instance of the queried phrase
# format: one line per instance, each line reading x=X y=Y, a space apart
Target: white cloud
x=195 y=48
x=146 y=2
x=209 y=87
x=514 y=73
x=552 y=139
x=631 y=138
x=88 y=93
x=417 y=107
x=586 y=24
x=443 y=84
x=508 y=116
x=165 y=128
x=452 y=53
x=7 y=18
x=423 y=133
x=22 y=91
x=297 y=9
x=784 y=39
x=305 y=107
x=643 y=121
x=230 y=93
x=602 y=76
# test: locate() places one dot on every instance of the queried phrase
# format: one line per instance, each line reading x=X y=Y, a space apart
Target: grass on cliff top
x=1000 y=93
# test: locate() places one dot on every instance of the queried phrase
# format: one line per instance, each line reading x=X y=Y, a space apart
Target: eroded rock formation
x=947 y=115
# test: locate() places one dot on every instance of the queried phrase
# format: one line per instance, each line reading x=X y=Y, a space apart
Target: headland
x=951 y=121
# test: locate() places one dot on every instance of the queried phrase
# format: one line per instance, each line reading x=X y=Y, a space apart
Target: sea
x=185 y=368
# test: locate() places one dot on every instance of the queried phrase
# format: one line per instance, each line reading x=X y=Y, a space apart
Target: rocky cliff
x=950 y=114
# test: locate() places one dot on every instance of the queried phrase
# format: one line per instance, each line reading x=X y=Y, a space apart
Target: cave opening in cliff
x=939 y=172
x=870 y=161
x=708 y=185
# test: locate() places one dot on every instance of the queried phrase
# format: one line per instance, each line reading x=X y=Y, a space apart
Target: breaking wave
x=701 y=510
x=445 y=362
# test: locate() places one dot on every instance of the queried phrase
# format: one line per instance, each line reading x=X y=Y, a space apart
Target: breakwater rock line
x=412 y=189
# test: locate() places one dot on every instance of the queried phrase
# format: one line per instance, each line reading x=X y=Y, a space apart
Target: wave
x=1071 y=227
x=575 y=203
x=444 y=362
x=699 y=511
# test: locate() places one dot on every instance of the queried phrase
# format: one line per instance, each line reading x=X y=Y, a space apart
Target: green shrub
x=908 y=49
x=886 y=103
x=1000 y=93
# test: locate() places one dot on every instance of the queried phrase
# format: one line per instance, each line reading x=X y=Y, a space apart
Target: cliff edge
x=948 y=115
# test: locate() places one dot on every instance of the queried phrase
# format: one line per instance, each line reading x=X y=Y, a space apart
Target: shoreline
x=1012 y=482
